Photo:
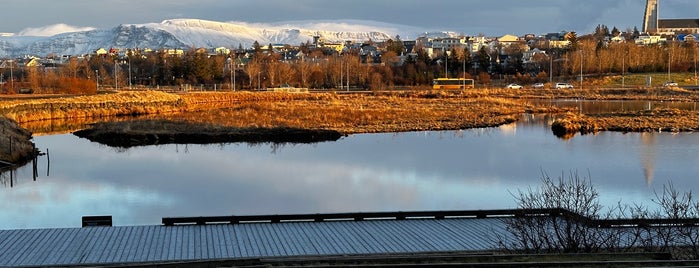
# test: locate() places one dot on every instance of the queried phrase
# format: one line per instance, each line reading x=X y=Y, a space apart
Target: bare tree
x=561 y=233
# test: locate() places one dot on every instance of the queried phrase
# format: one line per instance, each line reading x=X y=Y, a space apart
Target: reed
x=657 y=120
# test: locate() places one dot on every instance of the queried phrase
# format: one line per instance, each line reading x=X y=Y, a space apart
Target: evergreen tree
x=395 y=45
x=483 y=59
x=615 y=31
x=256 y=47
x=467 y=59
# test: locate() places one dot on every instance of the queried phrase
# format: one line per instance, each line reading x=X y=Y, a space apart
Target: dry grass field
x=370 y=112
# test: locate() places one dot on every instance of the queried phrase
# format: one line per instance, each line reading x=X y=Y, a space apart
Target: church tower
x=650 y=20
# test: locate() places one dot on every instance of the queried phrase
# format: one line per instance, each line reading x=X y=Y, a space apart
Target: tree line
x=326 y=68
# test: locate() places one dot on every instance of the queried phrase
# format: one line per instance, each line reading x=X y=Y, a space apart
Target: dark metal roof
x=678 y=23
x=148 y=244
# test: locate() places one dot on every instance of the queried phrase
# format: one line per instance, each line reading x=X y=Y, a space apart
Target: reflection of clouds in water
x=468 y=169
x=49 y=204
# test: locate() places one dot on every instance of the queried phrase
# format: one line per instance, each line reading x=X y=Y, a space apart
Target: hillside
x=187 y=33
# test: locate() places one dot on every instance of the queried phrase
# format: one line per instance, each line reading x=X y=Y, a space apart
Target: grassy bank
x=15 y=143
x=660 y=120
x=373 y=112
x=92 y=106
x=355 y=113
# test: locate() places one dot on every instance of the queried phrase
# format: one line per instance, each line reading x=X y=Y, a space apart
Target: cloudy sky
x=491 y=17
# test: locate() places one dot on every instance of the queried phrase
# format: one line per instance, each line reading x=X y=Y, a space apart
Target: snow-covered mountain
x=195 y=33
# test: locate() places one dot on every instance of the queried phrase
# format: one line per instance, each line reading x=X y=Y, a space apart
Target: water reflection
x=648 y=156
x=467 y=169
x=613 y=106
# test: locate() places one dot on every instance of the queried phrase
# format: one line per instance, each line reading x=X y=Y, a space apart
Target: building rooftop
x=105 y=245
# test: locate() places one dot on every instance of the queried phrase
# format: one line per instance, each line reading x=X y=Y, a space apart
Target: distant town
x=662 y=46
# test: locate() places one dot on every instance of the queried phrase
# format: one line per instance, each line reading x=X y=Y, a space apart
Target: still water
x=448 y=170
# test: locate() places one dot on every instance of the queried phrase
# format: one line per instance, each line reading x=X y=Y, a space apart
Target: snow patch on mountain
x=52 y=30
x=194 y=33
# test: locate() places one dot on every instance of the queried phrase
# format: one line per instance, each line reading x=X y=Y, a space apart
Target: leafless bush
x=562 y=233
x=672 y=228
x=680 y=233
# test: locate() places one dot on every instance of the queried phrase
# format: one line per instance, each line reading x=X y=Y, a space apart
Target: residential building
x=649 y=39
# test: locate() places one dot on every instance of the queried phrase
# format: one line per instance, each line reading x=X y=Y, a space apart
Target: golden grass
x=670 y=120
x=347 y=113
x=357 y=113
x=93 y=106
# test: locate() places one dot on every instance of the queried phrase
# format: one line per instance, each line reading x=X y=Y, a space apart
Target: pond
x=447 y=170
x=616 y=106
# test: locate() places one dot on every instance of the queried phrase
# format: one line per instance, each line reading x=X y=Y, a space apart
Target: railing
x=401 y=215
x=404 y=215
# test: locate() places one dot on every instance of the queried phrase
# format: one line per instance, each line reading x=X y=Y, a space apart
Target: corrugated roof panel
x=216 y=242
x=47 y=246
x=72 y=243
x=426 y=236
x=110 y=245
x=322 y=238
x=132 y=241
x=366 y=242
x=311 y=241
x=28 y=250
x=474 y=234
x=130 y=244
x=19 y=241
x=389 y=242
x=253 y=248
x=276 y=244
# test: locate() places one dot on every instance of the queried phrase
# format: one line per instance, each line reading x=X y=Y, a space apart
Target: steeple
x=650 y=20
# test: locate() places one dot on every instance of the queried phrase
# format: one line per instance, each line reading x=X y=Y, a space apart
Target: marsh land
x=239 y=116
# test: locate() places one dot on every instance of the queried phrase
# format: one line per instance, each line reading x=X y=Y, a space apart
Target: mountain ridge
x=189 y=33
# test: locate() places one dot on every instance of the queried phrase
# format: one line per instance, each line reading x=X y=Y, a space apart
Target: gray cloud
x=467 y=16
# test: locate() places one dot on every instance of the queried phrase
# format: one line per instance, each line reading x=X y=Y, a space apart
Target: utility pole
x=116 y=81
x=623 y=69
x=12 y=79
x=669 y=61
x=230 y=66
x=129 y=58
x=97 y=79
x=581 y=69
x=446 y=63
x=550 y=54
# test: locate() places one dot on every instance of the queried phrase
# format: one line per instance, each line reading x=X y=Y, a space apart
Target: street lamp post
x=97 y=79
x=129 y=58
x=669 y=61
x=551 y=68
x=12 y=79
x=623 y=69
x=116 y=81
x=581 y=69
x=464 y=70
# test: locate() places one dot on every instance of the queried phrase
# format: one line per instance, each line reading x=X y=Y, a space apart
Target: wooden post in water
x=48 y=162
x=34 y=171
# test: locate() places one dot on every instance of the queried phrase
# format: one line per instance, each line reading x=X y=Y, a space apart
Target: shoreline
x=256 y=116
x=16 y=147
